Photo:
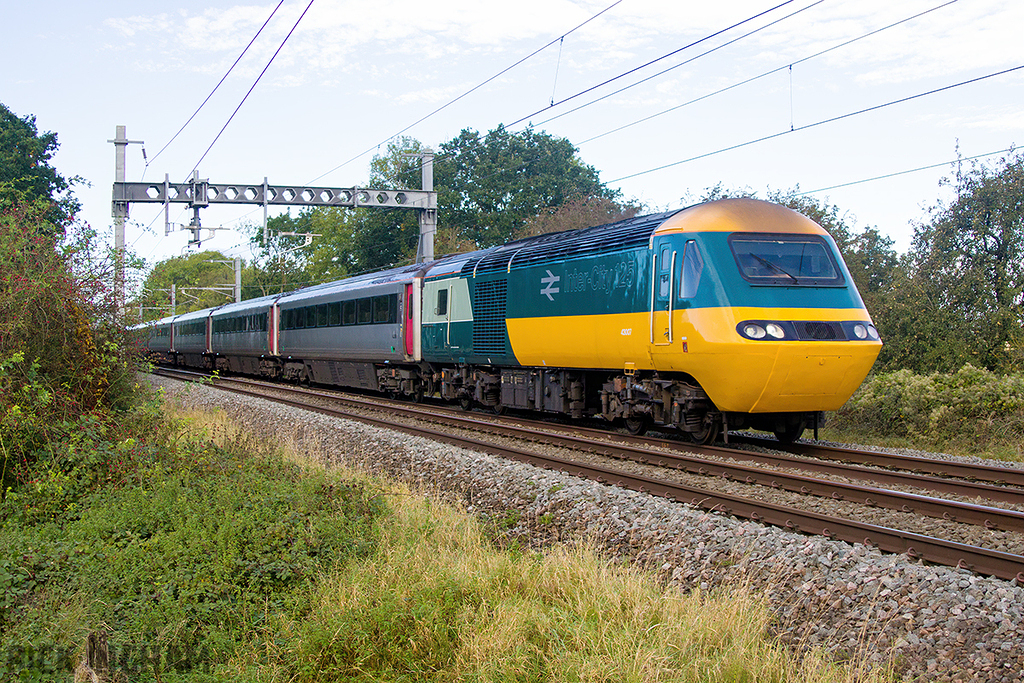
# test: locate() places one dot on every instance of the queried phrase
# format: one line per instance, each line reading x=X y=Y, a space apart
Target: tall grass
x=437 y=601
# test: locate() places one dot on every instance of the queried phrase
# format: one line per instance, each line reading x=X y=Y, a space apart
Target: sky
x=761 y=111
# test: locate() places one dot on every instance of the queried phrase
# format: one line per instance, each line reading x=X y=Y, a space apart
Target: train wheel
x=706 y=435
x=637 y=426
x=466 y=402
x=499 y=409
x=791 y=432
x=708 y=431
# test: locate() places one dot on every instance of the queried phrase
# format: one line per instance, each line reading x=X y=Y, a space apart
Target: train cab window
x=321 y=315
x=348 y=315
x=334 y=313
x=664 y=270
x=693 y=265
x=786 y=260
x=442 y=302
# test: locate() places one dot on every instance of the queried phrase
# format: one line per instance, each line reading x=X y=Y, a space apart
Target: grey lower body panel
x=346 y=374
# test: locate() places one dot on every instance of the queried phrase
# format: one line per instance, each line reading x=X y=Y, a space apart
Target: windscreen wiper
x=775 y=266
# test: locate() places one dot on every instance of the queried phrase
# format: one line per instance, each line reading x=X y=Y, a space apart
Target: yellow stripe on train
x=740 y=375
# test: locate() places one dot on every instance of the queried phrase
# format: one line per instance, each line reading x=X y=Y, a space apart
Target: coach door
x=409 y=322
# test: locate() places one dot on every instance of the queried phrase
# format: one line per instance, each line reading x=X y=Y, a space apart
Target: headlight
x=861 y=331
x=872 y=332
x=775 y=330
x=753 y=331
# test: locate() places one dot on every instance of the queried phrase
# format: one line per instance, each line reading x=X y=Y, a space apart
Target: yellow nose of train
x=783 y=328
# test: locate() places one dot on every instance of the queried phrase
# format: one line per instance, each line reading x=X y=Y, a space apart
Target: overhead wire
x=681 y=64
x=215 y=88
x=673 y=52
x=626 y=73
x=253 y=87
x=468 y=92
x=905 y=172
x=743 y=82
x=647 y=64
x=819 y=123
x=730 y=87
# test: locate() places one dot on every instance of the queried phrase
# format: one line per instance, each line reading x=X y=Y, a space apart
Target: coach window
x=300 y=318
x=348 y=315
x=321 y=315
x=693 y=265
x=380 y=309
x=334 y=313
x=365 y=311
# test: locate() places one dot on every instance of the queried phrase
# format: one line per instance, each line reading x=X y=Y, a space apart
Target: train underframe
x=638 y=401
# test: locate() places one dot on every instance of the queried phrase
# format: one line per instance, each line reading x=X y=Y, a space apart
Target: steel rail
x=979 y=560
x=914 y=463
x=877 y=476
x=955 y=511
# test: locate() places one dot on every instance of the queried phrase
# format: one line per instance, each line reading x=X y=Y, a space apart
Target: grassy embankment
x=214 y=558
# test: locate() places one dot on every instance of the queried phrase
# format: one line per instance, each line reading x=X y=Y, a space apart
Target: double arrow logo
x=549 y=283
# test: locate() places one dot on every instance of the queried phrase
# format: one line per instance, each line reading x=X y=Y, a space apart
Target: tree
x=489 y=187
x=576 y=213
x=192 y=275
x=26 y=174
x=967 y=266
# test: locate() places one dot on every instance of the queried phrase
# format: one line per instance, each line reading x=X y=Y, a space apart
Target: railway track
x=648 y=460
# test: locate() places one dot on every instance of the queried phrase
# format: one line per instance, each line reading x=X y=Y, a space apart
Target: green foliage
x=578 y=212
x=26 y=174
x=488 y=187
x=966 y=275
x=181 y=550
x=193 y=276
x=972 y=408
x=63 y=348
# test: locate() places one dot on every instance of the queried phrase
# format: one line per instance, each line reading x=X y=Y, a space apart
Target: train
x=729 y=314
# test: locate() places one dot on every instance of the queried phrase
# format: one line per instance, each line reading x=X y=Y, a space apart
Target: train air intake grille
x=820 y=331
x=489 y=332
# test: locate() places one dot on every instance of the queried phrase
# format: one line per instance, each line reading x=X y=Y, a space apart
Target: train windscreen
x=786 y=260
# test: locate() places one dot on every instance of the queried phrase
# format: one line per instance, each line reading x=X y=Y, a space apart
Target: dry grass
x=438 y=602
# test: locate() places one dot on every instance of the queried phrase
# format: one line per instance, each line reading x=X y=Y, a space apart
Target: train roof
x=399 y=274
x=236 y=308
x=194 y=315
x=741 y=214
x=599 y=239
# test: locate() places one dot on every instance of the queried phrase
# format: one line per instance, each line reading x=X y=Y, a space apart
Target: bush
x=63 y=352
x=971 y=407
